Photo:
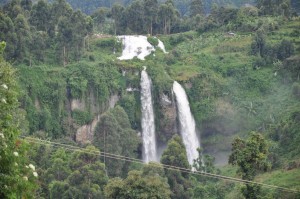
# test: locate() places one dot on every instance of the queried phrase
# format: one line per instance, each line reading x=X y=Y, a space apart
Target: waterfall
x=148 y=127
x=187 y=123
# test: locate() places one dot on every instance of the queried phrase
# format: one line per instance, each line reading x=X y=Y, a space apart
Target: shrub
x=81 y=117
x=176 y=39
x=153 y=41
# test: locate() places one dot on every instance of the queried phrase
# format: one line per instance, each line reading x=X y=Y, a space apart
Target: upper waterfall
x=137 y=46
x=187 y=123
x=148 y=127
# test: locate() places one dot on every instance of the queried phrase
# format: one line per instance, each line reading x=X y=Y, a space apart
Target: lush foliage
x=148 y=183
x=251 y=157
x=114 y=135
x=175 y=155
x=17 y=179
x=240 y=69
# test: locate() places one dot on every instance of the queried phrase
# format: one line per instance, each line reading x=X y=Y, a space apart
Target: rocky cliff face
x=85 y=133
x=168 y=123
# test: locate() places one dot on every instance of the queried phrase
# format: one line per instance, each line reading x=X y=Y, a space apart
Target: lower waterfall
x=187 y=123
x=148 y=127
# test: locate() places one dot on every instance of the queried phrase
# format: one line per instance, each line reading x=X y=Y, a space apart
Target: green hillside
x=76 y=129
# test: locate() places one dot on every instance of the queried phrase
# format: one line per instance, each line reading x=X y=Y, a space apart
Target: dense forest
x=70 y=110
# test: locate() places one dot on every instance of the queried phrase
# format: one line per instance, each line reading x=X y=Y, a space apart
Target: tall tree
x=24 y=37
x=139 y=184
x=279 y=7
x=8 y=35
x=60 y=8
x=258 y=43
x=40 y=15
x=151 y=11
x=251 y=157
x=135 y=17
x=196 y=8
x=99 y=17
x=64 y=37
x=89 y=175
x=26 y=4
x=113 y=135
x=117 y=12
x=79 y=31
x=175 y=155
x=167 y=15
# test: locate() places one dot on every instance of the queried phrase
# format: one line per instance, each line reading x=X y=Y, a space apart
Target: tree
x=204 y=162
x=258 y=43
x=269 y=7
x=135 y=17
x=151 y=10
x=80 y=175
x=206 y=187
x=23 y=37
x=13 y=8
x=89 y=175
x=38 y=45
x=99 y=17
x=175 y=155
x=285 y=50
x=138 y=184
x=26 y=4
x=80 y=27
x=117 y=13
x=167 y=15
x=8 y=35
x=17 y=178
x=60 y=8
x=251 y=157
x=196 y=7
x=114 y=135
x=64 y=37
x=40 y=15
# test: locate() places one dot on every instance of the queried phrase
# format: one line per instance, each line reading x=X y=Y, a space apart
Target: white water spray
x=148 y=127
x=187 y=123
x=137 y=46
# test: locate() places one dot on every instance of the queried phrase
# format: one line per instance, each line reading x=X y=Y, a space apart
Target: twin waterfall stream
x=186 y=121
x=148 y=127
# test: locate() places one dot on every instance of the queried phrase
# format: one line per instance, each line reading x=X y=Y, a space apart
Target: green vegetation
x=175 y=155
x=240 y=68
x=18 y=176
x=250 y=156
x=148 y=183
x=114 y=135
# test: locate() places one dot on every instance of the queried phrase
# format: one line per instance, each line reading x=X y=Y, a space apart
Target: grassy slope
x=281 y=177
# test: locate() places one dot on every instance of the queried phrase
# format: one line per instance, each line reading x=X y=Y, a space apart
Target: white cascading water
x=148 y=127
x=187 y=123
x=137 y=46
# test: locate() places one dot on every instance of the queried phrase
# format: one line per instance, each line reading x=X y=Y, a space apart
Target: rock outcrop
x=85 y=133
x=168 y=124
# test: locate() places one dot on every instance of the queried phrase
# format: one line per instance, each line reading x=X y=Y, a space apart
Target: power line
x=168 y=167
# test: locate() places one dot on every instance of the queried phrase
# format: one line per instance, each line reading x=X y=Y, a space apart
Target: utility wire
x=169 y=167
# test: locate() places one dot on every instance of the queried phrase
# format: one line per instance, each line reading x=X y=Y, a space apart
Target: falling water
x=148 y=127
x=187 y=123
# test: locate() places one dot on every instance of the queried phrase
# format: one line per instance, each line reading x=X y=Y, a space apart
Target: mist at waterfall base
x=186 y=123
x=147 y=120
